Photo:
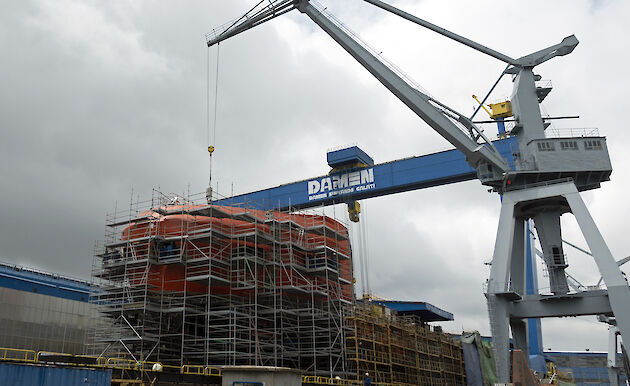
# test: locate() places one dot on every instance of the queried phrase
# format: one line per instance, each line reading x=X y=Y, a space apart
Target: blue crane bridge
x=354 y=176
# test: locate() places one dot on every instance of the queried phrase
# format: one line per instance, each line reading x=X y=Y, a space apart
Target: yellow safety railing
x=172 y=369
x=193 y=369
x=122 y=363
x=311 y=379
x=22 y=355
x=148 y=366
x=16 y=354
x=32 y=356
x=98 y=361
x=38 y=358
x=212 y=371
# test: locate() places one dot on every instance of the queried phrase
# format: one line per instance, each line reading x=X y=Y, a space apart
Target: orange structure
x=182 y=282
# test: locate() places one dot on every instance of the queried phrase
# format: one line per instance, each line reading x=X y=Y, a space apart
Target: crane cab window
x=546 y=146
x=568 y=145
x=593 y=144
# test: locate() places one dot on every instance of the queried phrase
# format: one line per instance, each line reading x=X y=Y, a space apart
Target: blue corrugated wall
x=35 y=375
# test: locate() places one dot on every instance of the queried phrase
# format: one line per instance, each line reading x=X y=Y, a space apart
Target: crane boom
x=444 y=32
x=453 y=126
x=447 y=122
x=260 y=13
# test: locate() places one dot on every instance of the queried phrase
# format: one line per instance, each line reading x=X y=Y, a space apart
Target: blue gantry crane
x=540 y=179
x=354 y=176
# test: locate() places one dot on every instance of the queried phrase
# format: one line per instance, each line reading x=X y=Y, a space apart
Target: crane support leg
x=519 y=334
x=499 y=325
x=518 y=270
x=616 y=284
x=507 y=301
x=548 y=228
x=510 y=229
x=613 y=367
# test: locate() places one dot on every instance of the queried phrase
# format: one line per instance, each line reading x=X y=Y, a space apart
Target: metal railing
x=50 y=357
x=314 y=380
x=572 y=132
x=545 y=83
x=13 y=354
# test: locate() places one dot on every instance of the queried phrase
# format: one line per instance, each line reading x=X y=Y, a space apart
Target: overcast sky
x=100 y=100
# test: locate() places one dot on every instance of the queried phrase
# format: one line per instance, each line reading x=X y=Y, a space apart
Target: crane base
x=507 y=276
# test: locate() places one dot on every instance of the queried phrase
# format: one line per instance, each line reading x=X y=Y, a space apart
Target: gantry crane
x=541 y=184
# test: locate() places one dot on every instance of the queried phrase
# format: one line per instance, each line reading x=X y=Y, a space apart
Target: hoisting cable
x=358 y=254
x=214 y=123
x=360 y=240
x=366 y=255
x=209 y=188
x=356 y=240
x=489 y=92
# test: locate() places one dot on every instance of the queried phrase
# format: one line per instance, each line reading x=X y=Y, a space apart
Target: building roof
x=45 y=283
x=425 y=311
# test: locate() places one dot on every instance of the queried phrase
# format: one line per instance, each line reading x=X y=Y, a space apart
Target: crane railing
x=572 y=132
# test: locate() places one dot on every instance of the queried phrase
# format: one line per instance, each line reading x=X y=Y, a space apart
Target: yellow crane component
x=552 y=374
x=346 y=167
x=354 y=208
x=499 y=110
x=484 y=107
x=209 y=189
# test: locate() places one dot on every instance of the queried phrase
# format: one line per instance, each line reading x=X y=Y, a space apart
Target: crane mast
x=542 y=183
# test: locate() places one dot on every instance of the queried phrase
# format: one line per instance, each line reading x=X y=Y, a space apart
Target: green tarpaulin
x=486 y=359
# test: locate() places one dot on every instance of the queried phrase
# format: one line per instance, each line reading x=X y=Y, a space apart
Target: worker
x=367 y=381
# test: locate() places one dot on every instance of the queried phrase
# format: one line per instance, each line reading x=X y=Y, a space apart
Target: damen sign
x=341 y=184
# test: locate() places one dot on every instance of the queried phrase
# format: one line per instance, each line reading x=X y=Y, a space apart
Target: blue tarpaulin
x=471 y=362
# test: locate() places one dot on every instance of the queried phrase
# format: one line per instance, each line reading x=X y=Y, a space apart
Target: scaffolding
x=182 y=282
x=396 y=349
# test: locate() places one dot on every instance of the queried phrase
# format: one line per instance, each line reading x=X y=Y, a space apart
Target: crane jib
x=444 y=120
